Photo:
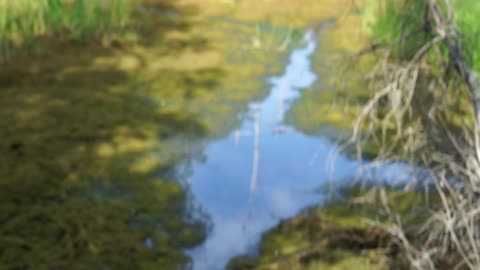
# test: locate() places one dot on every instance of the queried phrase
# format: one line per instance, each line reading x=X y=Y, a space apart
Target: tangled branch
x=409 y=117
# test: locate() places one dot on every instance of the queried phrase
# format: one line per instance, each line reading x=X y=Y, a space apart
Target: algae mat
x=92 y=133
x=342 y=234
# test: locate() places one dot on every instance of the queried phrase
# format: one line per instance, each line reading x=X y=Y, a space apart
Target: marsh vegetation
x=109 y=109
x=24 y=22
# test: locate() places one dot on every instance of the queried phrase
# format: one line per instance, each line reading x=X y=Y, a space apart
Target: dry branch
x=451 y=237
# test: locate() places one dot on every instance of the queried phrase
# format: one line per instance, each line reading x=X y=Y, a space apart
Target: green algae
x=343 y=234
x=334 y=102
x=91 y=135
x=332 y=105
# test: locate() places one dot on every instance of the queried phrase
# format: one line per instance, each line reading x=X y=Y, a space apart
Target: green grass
x=394 y=18
x=402 y=24
x=23 y=21
x=468 y=22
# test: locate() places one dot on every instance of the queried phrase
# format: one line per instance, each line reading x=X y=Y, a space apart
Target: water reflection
x=266 y=171
x=243 y=202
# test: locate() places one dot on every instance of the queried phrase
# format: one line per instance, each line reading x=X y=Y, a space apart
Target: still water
x=264 y=171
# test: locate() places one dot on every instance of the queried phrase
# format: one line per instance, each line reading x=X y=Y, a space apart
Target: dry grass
x=426 y=114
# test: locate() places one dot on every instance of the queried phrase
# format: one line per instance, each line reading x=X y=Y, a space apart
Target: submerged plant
x=268 y=37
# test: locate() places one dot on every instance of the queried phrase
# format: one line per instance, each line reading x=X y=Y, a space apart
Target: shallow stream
x=96 y=139
x=264 y=171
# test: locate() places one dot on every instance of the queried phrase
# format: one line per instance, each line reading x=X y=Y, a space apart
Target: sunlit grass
x=469 y=24
x=22 y=21
x=394 y=18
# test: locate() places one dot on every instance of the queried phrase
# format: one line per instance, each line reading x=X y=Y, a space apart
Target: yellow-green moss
x=341 y=91
x=339 y=235
x=86 y=130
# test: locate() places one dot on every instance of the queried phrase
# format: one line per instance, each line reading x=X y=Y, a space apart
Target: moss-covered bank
x=342 y=234
x=334 y=102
